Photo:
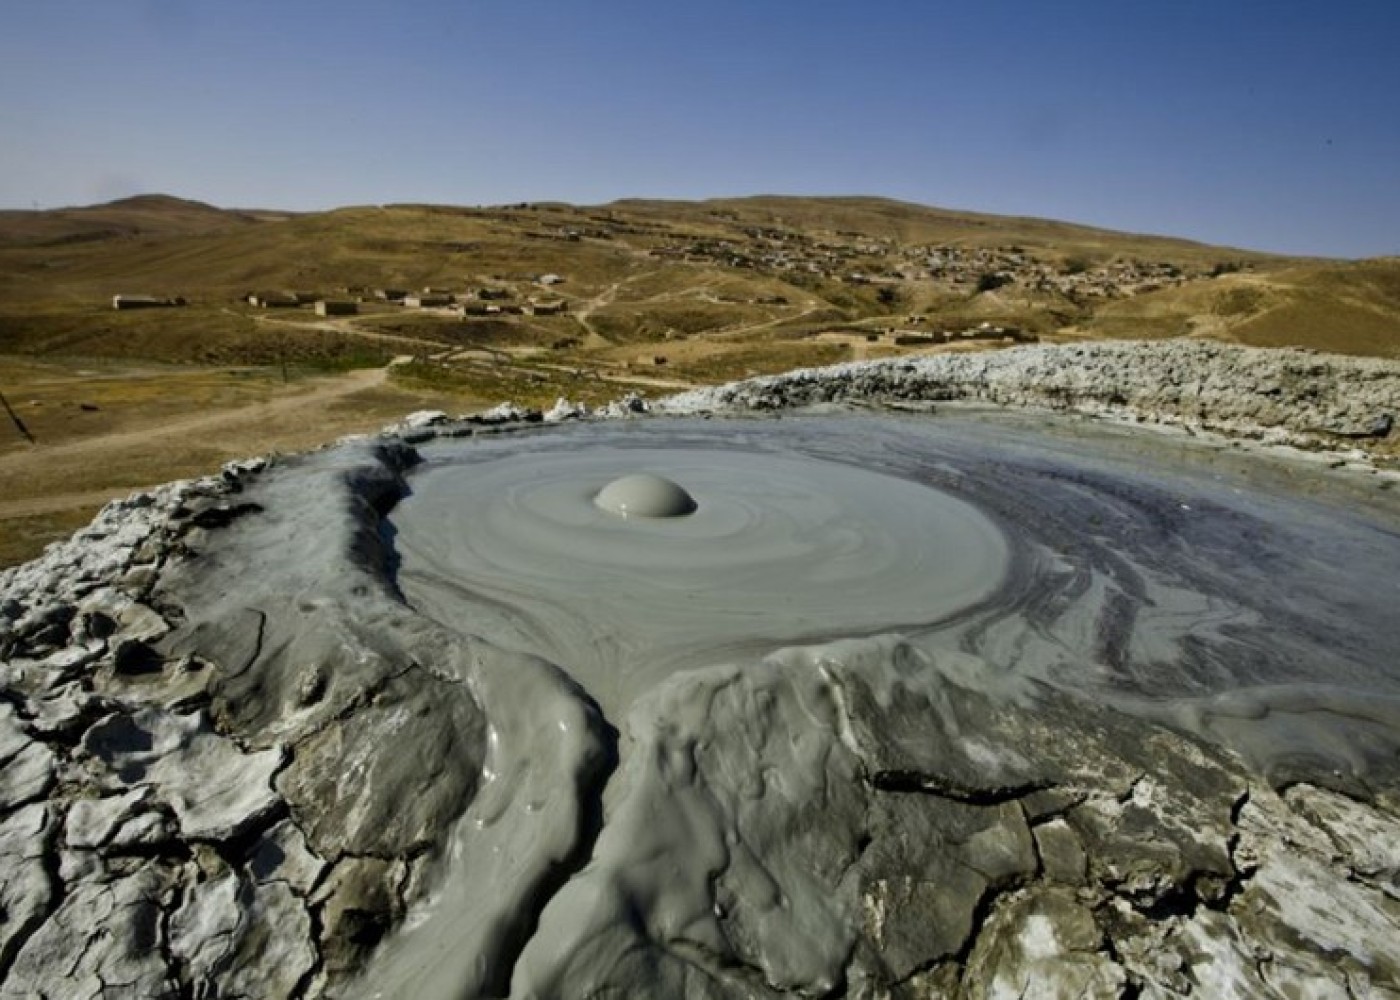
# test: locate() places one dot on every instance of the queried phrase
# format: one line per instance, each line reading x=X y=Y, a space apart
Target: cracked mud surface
x=251 y=745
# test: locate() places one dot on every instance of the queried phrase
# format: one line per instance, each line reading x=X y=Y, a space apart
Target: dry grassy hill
x=648 y=272
x=1346 y=307
x=649 y=296
x=143 y=215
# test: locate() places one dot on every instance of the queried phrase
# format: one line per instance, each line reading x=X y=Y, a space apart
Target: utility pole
x=14 y=417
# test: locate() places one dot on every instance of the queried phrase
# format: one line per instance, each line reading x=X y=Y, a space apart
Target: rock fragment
x=105 y=938
x=1042 y=944
x=217 y=791
x=239 y=938
x=27 y=889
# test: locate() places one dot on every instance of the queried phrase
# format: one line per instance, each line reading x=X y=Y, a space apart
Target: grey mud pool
x=818 y=705
x=1119 y=569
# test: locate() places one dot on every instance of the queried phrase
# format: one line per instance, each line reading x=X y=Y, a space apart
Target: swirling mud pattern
x=1171 y=592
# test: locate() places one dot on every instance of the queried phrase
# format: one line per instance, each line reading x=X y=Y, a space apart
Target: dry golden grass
x=125 y=400
x=1348 y=308
x=154 y=424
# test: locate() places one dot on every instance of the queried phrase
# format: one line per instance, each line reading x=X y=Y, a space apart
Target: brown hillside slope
x=143 y=215
x=1348 y=307
x=903 y=222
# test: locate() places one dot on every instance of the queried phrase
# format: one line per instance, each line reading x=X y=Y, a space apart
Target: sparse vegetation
x=719 y=290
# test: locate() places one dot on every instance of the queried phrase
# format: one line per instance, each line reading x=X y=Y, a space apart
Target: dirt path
x=280 y=408
x=40 y=463
x=582 y=309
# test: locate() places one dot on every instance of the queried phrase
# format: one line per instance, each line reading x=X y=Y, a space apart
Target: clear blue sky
x=1272 y=125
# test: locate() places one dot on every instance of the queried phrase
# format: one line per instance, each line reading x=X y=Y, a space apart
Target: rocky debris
x=104 y=940
x=241 y=938
x=506 y=413
x=142 y=848
x=564 y=410
x=424 y=418
x=629 y=405
x=1282 y=396
x=27 y=888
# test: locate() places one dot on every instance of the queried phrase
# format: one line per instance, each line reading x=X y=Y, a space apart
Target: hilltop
x=474 y=305
x=142 y=215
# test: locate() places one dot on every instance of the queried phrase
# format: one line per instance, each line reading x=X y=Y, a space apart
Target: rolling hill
x=552 y=299
x=655 y=271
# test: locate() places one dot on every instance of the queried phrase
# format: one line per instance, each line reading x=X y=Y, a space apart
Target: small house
x=427 y=301
x=273 y=300
x=124 y=302
x=336 y=307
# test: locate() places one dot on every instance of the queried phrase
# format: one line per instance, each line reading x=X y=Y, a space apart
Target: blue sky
x=1269 y=125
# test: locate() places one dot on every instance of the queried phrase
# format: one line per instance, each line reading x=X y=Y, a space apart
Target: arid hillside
x=459 y=307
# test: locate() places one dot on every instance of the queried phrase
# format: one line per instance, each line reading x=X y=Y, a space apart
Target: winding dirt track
x=226 y=426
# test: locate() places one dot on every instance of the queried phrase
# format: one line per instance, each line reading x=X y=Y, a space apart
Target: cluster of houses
x=980 y=332
x=865 y=260
x=981 y=267
x=495 y=300
x=779 y=251
x=295 y=300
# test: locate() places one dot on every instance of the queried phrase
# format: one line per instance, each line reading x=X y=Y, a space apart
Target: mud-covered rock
x=217 y=791
x=238 y=938
x=105 y=937
x=412 y=763
x=27 y=888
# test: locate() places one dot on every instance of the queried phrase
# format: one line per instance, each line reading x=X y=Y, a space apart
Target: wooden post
x=19 y=424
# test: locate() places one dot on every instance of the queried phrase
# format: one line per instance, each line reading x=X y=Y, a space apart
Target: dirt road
x=31 y=478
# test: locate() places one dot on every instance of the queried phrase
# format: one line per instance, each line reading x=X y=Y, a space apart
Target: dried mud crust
x=1283 y=396
x=243 y=790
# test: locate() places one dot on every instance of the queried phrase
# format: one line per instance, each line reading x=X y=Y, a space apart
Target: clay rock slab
x=389 y=779
x=26 y=889
x=104 y=939
x=244 y=939
x=215 y=789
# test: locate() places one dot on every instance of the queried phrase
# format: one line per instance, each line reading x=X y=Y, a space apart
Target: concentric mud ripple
x=780 y=548
x=1136 y=571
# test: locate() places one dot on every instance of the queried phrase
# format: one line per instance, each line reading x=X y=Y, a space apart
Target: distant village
x=789 y=255
x=867 y=261
x=489 y=300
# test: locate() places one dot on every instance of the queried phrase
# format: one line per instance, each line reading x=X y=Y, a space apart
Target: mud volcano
x=558 y=549
x=975 y=705
x=877 y=696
